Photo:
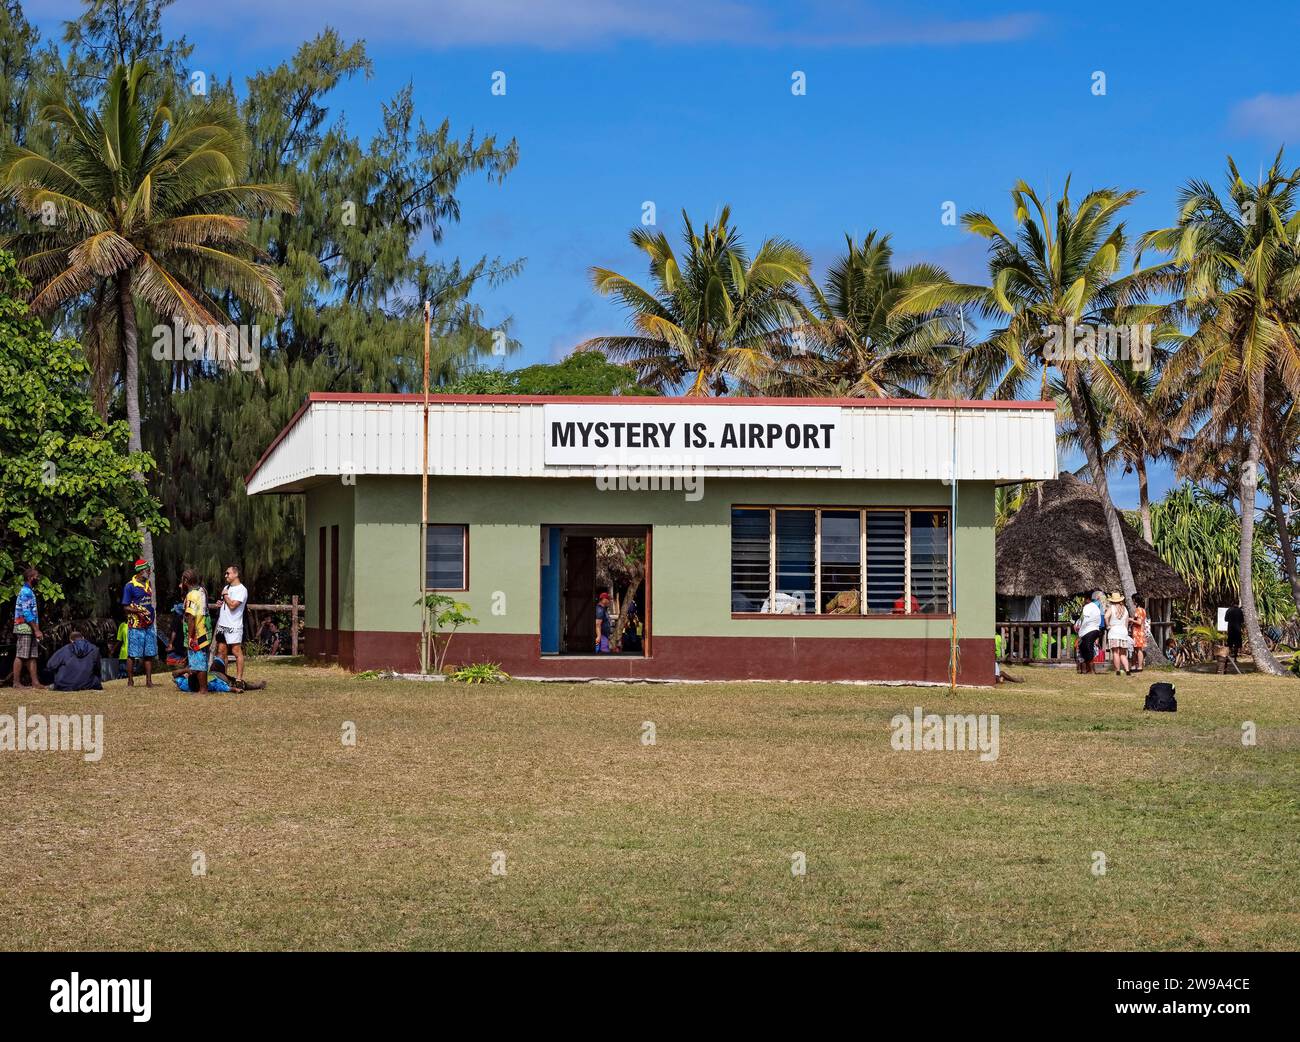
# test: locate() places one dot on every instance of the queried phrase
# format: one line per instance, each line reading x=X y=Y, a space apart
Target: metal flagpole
x=954 y=649
x=424 y=501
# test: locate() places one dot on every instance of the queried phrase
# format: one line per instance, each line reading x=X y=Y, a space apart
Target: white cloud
x=1274 y=116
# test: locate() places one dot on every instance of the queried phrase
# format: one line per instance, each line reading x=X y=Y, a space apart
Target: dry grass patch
x=686 y=843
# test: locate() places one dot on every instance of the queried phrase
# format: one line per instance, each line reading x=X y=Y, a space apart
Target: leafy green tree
x=713 y=322
x=109 y=33
x=1045 y=277
x=1239 y=264
x=148 y=207
x=23 y=65
x=1198 y=534
x=356 y=264
x=863 y=350
x=69 y=504
x=582 y=373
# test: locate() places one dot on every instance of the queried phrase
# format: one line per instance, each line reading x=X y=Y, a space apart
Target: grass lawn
x=687 y=843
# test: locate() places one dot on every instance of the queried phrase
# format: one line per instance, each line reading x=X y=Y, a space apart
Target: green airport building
x=764 y=539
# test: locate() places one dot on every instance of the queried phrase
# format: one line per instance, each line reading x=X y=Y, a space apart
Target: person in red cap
x=141 y=633
x=603 y=628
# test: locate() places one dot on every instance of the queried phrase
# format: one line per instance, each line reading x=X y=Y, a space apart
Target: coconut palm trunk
x=1144 y=501
x=1248 y=484
x=1086 y=421
x=131 y=388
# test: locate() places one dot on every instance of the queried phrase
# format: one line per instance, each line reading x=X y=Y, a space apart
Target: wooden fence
x=297 y=612
x=1053 y=641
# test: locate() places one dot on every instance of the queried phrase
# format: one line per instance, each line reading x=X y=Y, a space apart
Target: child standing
x=196 y=629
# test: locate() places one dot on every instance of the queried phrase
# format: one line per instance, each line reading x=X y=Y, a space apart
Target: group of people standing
x=1108 y=622
x=200 y=652
x=141 y=632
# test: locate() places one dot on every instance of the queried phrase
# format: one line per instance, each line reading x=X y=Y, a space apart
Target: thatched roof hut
x=1057 y=545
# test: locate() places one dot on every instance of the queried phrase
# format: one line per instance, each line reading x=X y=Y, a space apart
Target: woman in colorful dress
x=1138 y=628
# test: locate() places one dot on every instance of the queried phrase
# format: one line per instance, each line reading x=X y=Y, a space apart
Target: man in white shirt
x=1089 y=627
x=230 y=624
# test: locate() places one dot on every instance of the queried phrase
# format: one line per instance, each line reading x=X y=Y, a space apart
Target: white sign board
x=645 y=435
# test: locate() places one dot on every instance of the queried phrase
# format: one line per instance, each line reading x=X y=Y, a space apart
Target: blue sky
x=688 y=104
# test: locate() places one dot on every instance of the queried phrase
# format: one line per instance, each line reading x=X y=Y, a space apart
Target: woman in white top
x=1117 y=635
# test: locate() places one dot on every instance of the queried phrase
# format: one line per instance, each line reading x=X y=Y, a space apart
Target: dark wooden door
x=334 y=590
x=322 y=593
x=579 y=594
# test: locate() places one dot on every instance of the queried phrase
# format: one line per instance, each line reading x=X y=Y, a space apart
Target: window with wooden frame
x=446 y=553
x=840 y=561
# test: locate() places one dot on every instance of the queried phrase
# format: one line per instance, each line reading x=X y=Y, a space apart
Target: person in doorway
x=230 y=623
x=27 y=630
x=603 y=624
x=632 y=630
x=196 y=630
x=1117 y=635
x=1138 y=631
x=1089 y=629
x=141 y=632
x=1236 y=621
x=76 y=665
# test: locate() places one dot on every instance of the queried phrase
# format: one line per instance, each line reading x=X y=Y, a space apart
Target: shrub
x=481 y=673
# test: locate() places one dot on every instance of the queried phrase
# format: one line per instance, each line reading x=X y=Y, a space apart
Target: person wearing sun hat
x=141 y=634
x=1117 y=634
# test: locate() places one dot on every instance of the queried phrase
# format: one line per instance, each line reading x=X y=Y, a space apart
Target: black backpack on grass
x=1160 y=699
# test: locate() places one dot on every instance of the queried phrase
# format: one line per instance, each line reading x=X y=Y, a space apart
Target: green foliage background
x=69 y=503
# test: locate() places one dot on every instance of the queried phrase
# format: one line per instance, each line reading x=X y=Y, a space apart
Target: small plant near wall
x=481 y=673
x=446 y=615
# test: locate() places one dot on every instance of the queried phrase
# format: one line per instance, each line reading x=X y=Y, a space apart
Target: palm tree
x=150 y=209
x=864 y=351
x=714 y=322
x=1136 y=436
x=1048 y=278
x=1241 y=284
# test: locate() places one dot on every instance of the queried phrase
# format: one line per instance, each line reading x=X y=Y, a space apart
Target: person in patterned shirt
x=27 y=629
x=141 y=634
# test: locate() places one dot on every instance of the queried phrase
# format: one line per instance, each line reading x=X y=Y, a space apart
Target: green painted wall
x=691 y=549
x=335 y=504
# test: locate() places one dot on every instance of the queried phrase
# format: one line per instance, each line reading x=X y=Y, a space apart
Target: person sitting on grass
x=218 y=670
x=196 y=630
x=219 y=680
x=76 y=665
